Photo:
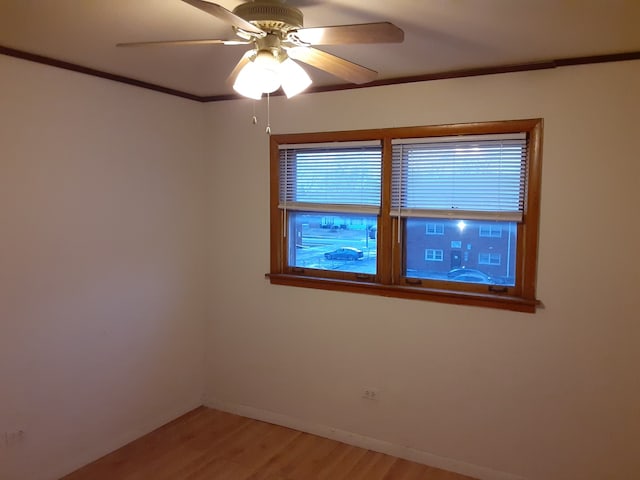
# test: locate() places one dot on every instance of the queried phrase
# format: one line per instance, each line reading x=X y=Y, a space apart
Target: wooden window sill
x=517 y=304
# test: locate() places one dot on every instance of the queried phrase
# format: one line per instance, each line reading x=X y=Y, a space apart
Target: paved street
x=316 y=242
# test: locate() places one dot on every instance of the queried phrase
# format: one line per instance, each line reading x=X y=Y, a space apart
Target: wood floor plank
x=207 y=444
x=372 y=466
x=344 y=462
x=405 y=470
x=260 y=451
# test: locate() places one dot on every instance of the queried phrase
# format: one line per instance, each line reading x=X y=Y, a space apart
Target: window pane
x=469 y=251
x=331 y=175
x=336 y=242
x=481 y=175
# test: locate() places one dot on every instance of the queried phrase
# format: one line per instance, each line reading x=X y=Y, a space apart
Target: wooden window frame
x=388 y=280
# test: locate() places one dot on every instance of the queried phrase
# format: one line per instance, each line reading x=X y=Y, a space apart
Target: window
x=433 y=255
x=494 y=231
x=444 y=213
x=489 y=259
x=435 y=228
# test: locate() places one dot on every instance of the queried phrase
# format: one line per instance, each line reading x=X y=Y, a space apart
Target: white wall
x=105 y=194
x=549 y=396
x=102 y=275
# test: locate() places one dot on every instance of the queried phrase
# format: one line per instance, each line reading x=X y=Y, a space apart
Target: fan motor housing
x=270 y=15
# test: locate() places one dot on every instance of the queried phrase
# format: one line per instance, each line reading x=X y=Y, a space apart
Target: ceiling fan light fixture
x=261 y=75
x=276 y=30
x=268 y=68
x=246 y=83
x=265 y=74
x=294 y=78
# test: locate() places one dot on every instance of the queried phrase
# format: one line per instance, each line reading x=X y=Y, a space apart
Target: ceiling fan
x=275 y=32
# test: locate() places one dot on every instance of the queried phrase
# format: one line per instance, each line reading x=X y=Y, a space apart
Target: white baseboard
x=362 y=441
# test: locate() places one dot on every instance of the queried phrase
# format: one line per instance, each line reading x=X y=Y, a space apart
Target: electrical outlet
x=370 y=394
x=13 y=438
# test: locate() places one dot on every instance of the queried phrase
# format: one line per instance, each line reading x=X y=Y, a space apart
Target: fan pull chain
x=254 y=119
x=268 y=130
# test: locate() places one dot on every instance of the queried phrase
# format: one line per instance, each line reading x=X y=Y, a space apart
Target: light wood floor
x=207 y=444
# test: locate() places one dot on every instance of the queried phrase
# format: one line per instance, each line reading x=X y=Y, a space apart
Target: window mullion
x=386 y=265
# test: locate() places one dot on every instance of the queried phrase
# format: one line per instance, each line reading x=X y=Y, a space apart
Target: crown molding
x=471 y=72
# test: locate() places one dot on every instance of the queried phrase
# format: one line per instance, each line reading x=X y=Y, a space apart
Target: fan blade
x=226 y=16
x=184 y=42
x=243 y=61
x=381 y=32
x=352 y=72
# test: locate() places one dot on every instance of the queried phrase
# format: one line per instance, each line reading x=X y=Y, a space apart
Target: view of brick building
x=437 y=246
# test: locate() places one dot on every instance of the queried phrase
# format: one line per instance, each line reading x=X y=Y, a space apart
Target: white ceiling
x=440 y=35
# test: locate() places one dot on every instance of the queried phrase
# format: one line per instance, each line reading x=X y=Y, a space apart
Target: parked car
x=344 y=253
x=469 y=275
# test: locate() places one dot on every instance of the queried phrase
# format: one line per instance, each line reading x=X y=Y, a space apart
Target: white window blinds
x=478 y=177
x=334 y=177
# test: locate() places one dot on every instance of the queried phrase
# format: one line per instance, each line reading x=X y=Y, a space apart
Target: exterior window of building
x=435 y=228
x=433 y=255
x=489 y=259
x=492 y=231
x=446 y=213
